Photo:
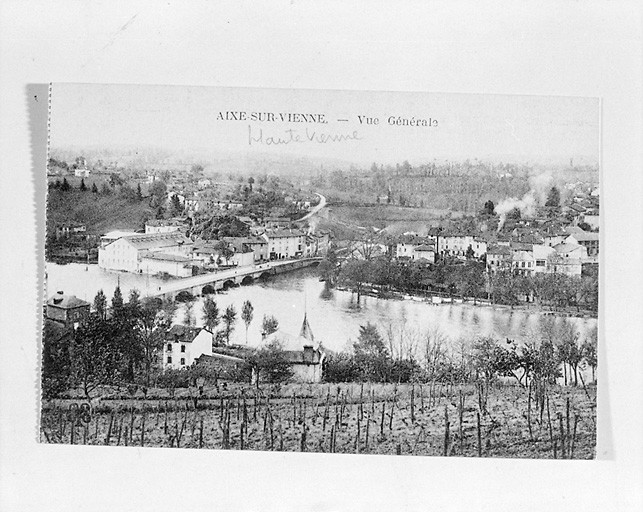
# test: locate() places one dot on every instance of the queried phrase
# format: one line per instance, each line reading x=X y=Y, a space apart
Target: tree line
x=120 y=344
x=468 y=279
x=556 y=351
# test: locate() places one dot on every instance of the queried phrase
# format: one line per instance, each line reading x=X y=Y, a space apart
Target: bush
x=271 y=364
x=340 y=367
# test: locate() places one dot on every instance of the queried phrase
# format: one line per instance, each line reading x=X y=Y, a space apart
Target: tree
x=229 y=318
x=65 y=185
x=589 y=351
x=371 y=355
x=100 y=305
x=139 y=194
x=157 y=191
x=105 y=190
x=553 y=198
x=188 y=318
x=176 y=208
x=569 y=351
x=96 y=355
x=246 y=315
x=269 y=325
x=489 y=208
x=271 y=364
x=355 y=273
x=153 y=321
x=340 y=367
x=211 y=314
x=94 y=188
x=117 y=301
x=56 y=361
x=251 y=181
x=82 y=186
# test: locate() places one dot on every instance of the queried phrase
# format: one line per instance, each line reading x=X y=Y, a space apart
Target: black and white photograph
x=321 y=256
x=322 y=271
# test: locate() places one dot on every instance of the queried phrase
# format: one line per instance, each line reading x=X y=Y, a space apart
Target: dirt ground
x=428 y=419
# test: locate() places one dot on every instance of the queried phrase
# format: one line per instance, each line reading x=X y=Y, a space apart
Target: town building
x=285 y=243
x=568 y=259
x=592 y=220
x=163 y=226
x=257 y=244
x=424 y=252
x=458 y=245
x=522 y=262
x=82 y=172
x=499 y=257
x=146 y=253
x=183 y=345
x=302 y=352
x=587 y=239
x=176 y=265
x=67 y=311
x=70 y=229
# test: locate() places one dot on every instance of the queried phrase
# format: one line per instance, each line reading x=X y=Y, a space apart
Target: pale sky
x=489 y=127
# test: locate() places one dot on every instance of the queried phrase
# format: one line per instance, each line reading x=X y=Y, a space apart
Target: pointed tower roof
x=306 y=331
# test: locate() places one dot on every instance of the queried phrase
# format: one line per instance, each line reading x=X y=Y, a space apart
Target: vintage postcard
x=321 y=271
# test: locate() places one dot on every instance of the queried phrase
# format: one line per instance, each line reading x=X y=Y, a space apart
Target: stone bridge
x=230 y=277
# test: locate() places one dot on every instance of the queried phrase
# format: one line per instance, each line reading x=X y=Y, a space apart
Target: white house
x=82 y=173
x=183 y=345
x=586 y=239
x=542 y=255
x=257 y=244
x=133 y=253
x=163 y=226
x=285 y=243
x=592 y=220
x=568 y=259
x=458 y=245
x=424 y=252
x=522 y=262
x=158 y=262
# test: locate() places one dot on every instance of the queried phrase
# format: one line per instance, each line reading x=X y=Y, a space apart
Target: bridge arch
x=247 y=280
x=229 y=283
x=208 y=289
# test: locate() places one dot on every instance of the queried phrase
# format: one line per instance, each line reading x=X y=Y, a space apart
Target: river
x=334 y=320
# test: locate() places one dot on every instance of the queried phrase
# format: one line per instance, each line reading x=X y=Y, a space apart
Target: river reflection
x=333 y=315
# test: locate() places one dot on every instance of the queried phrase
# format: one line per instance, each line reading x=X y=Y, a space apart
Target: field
x=428 y=419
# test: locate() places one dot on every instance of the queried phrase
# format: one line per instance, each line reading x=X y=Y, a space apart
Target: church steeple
x=306 y=331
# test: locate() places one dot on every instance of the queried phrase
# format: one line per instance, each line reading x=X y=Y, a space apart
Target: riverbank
x=436 y=299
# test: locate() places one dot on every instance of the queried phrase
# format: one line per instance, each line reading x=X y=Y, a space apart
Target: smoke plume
x=539 y=186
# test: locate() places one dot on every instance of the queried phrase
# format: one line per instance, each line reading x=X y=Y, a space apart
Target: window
x=169 y=359
x=182 y=348
x=169 y=347
x=183 y=361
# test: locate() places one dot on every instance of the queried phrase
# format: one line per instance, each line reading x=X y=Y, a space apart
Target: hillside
x=100 y=213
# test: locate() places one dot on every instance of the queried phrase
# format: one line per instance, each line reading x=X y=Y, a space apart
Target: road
x=322 y=203
x=203 y=279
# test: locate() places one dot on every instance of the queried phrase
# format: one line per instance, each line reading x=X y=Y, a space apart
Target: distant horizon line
x=199 y=155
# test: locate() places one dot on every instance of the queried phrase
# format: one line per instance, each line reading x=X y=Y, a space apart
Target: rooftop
x=183 y=333
x=60 y=300
x=157 y=240
x=164 y=257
